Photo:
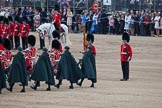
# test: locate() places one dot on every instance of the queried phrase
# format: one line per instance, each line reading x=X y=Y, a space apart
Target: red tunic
x=30 y=55
x=55 y=55
x=16 y=29
x=6 y=57
x=11 y=26
x=24 y=30
x=3 y=61
x=94 y=50
x=6 y=32
x=1 y=48
x=1 y=27
x=60 y=48
x=123 y=52
x=56 y=18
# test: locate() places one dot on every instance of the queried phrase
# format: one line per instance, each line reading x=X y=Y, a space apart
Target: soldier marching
x=22 y=66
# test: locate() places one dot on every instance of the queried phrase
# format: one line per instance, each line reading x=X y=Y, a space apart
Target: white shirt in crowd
x=95 y=17
x=157 y=22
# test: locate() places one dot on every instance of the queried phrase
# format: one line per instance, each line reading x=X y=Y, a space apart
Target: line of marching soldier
x=60 y=64
x=13 y=30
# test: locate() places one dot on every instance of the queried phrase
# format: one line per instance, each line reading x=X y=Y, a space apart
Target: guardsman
x=55 y=55
x=43 y=71
x=30 y=53
x=7 y=55
x=16 y=31
x=1 y=24
x=125 y=56
x=90 y=39
x=68 y=69
x=18 y=71
x=1 y=50
x=11 y=26
x=24 y=31
x=88 y=66
x=2 y=78
x=6 y=31
x=56 y=18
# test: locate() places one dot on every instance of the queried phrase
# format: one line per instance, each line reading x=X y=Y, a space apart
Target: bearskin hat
x=57 y=8
x=25 y=19
x=126 y=36
x=56 y=44
x=5 y=20
x=1 y=18
x=1 y=40
x=10 y=18
x=67 y=48
x=56 y=34
x=17 y=18
x=90 y=37
x=31 y=40
x=7 y=44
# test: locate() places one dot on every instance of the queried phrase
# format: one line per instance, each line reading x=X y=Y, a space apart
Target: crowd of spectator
x=139 y=23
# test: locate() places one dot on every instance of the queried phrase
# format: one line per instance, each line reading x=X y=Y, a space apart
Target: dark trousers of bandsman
x=24 y=43
x=17 y=41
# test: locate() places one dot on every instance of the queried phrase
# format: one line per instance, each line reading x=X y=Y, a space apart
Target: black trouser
x=136 y=29
x=141 y=29
x=11 y=39
x=104 y=28
x=147 y=30
x=17 y=41
x=99 y=28
x=24 y=43
x=42 y=43
x=125 y=70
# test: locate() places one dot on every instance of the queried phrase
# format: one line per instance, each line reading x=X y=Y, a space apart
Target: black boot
x=23 y=90
x=59 y=83
x=71 y=86
x=38 y=85
x=49 y=88
x=80 y=84
x=92 y=85
x=10 y=87
x=34 y=87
